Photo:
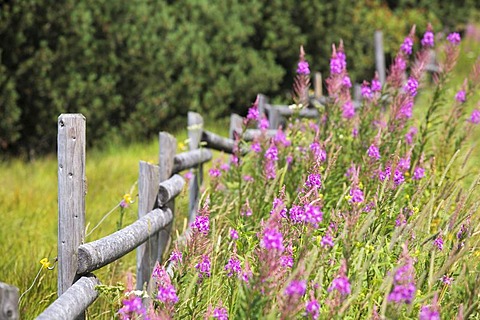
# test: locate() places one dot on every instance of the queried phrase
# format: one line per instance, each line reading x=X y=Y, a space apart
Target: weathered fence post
x=317 y=85
x=236 y=123
x=71 y=196
x=167 y=150
x=195 y=130
x=8 y=302
x=147 y=253
x=380 y=56
x=274 y=117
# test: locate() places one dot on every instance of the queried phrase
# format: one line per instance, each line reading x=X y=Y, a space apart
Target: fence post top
x=71 y=115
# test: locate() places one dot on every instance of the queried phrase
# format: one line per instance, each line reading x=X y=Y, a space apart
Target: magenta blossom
x=438 y=242
x=296 y=288
x=418 y=173
x=167 y=294
x=429 y=313
x=348 y=110
x=313 y=308
x=202 y=224
x=327 y=241
x=357 y=195
x=366 y=91
x=220 y=313
x=454 y=38
x=461 y=96
x=341 y=284
x=233 y=234
x=412 y=86
x=303 y=68
x=203 y=267
x=407 y=46
x=373 y=152
x=272 y=240
x=475 y=116
x=131 y=307
x=428 y=39
x=347 y=83
x=314 y=181
x=233 y=266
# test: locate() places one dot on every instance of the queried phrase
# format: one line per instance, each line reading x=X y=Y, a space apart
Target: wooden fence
x=158 y=185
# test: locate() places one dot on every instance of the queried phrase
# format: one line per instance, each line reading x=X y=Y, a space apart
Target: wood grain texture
x=71 y=196
x=195 y=130
x=191 y=159
x=167 y=151
x=74 y=301
x=169 y=189
x=380 y=56
x=8 y=302
x=318 y=85
x=236 y=123
x=216 y=142
x=99 y=253
x=251 y=134
x=147 y=253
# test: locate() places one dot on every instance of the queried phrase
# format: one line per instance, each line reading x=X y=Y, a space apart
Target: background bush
x=135 y=67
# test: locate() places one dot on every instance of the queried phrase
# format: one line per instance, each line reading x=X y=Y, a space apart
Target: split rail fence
x=158 y=185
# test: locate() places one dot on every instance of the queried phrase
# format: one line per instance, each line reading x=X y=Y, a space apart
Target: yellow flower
x=45 y=263
x=127 y=198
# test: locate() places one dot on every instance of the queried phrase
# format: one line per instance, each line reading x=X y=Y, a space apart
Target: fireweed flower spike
x=475 y=116
x=403 y=281
x=428 y=39
x=461 y=96
x=203 y=267
x=373 y=152
x=302 y=80
x=313 y=308
x=253 y=112
x=454 y=38
x=407 y=45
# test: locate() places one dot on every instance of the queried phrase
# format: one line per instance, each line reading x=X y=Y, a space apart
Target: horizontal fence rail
x=99 y=253
x=74 y=301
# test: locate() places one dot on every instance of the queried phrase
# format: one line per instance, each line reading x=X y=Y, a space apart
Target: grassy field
x=28 y=198
x=28 y=202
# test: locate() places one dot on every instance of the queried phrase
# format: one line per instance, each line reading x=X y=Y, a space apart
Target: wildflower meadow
x=369 y=212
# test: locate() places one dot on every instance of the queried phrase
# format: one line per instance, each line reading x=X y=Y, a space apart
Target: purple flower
x=297 y=214
x=313 y=308
x=454 y=38
x=429 y=313
x=314 y=181
x=272 y=239
x=278 y=204
x=438 y=242
x=281 y=138
x=255 y=147
x=286 y=261
x=341 y=284
x=167 y=294
x=313 y=214
x=407 y=46
x=373 y=152
x=264 y=124
x=357 y=195
x=270 y=171
x=296 y=288
x=475 y=117
x=404 y=164
x=233 y=234
x=131 y=307
x=203 y=267
x=382 y=175
x=412 y=86
x=347 y=83
x=253 y=113
x=327 y=241
x=428 y=39
x=272 y=153
x=348 y=111
x=366 y=91
x=202 y=224
x=214 y=173
x=402 y=293
x=406 y=110
x=376 y=85
x=461 y=96
x=398 y=177
x=303 y=68
x=337 y=63
x=404 y=287
x=233 y=266
x=418 y=173
x=410 y=134
x=447 y=280
x=220 y=313
x=175 y=256
x=400 y=63
x=318 y=152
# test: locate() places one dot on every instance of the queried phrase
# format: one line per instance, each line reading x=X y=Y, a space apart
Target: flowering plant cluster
x=362 y=213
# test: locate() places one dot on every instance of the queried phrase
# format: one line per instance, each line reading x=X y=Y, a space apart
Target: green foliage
x=133 y=68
